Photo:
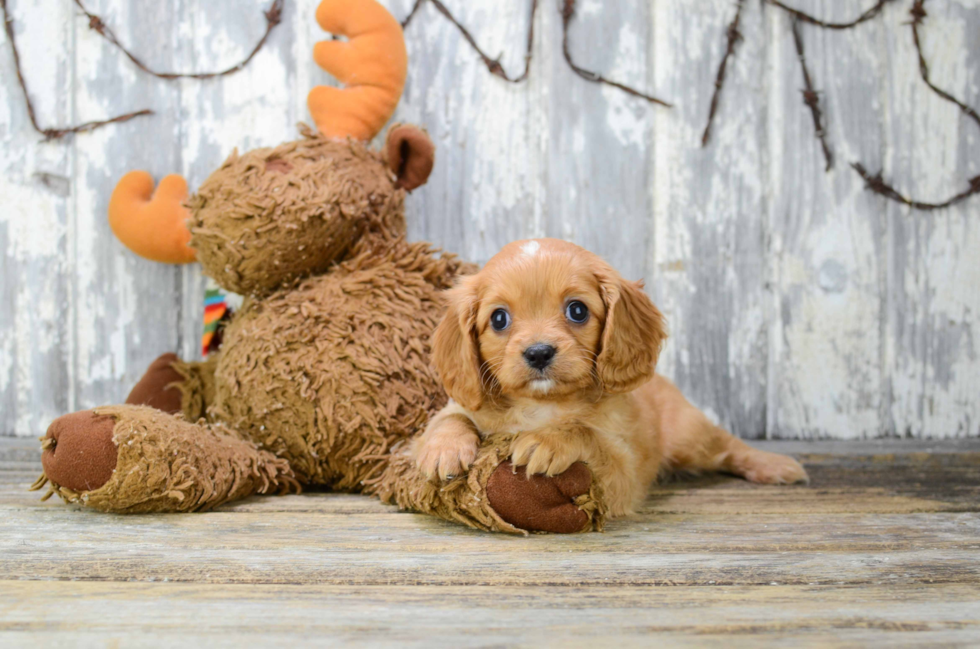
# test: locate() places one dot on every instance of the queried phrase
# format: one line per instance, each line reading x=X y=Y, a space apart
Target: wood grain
x=800 y=305
x=880 y=550
x=114 y=293
x=707 y=267
x=36 y=219
x=826 y=234
x=420 y=616
x=931 y=381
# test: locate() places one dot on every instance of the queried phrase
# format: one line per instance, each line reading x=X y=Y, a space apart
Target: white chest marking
x=542 y=385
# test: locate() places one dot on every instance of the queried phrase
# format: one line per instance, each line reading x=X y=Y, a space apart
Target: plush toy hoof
x=539 y=503
x=79 y=452
x=152 y=390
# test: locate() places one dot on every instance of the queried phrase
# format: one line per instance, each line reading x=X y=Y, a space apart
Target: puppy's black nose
x=539 y=356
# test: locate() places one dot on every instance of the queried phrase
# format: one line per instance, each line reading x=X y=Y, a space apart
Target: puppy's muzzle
x=539 y=356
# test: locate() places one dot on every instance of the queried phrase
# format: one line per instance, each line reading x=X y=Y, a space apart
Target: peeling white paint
x=798 y=305
x=625 y=115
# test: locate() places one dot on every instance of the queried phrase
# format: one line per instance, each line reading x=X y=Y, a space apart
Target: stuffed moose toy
x=323 y=377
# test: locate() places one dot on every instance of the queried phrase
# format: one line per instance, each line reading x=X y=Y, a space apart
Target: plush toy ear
x=633 y=334
x=455 y=352
x=410 y=154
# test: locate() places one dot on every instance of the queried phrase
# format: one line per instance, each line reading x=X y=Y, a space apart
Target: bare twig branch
x=493 y=65
x=811 y=98
x=807 y=18
x=568 y=12
x=411 y=14
x=273 y=16
x=734 y=38
x=60 y=131
x=876 y=184
x=918 y=14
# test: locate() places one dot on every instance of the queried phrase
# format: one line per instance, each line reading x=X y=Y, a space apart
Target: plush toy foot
x=495 y=497
x=139 y=459
x=539 y=503
x=158 y=387
x=78 y=452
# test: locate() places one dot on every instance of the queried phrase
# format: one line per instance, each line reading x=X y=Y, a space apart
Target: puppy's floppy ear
x=633 y=334
x=455 y=351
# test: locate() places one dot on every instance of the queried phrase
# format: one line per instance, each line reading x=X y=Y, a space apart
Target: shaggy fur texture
x=334 y=371
x=270 y=216
x=324 y=373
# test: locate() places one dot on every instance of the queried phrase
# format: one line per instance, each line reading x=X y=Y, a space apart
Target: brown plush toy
x=324 y=374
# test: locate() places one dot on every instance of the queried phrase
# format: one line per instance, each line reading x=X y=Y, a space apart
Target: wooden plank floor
x=883 y=548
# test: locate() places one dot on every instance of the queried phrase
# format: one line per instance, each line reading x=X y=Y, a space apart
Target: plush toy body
x=324 y=374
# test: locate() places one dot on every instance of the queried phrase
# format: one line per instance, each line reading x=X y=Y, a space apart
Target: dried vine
x=918 y=15
x=734 y=38
x=493 y=65
x=875 y=182
x=807 y=18
x=567 y=13
x=273 y=16
x=811 y=98
x=60 y=131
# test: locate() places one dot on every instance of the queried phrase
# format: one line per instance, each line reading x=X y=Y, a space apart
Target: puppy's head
x=545 y=319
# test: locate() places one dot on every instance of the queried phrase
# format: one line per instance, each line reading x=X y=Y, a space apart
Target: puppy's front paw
x=771 y=468
x=542 y=453
x=446 y=455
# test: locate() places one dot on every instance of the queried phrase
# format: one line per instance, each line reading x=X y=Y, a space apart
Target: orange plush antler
x=152 y=223
x=372 y=63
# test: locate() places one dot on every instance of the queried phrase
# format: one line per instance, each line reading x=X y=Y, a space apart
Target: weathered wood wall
x=800 y=304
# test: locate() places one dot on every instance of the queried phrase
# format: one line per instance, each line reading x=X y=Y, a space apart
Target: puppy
x=550 y=346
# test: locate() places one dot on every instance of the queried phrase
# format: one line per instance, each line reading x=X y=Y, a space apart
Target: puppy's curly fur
x=549 y=345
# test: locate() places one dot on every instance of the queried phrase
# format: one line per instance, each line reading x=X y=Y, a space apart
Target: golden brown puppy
x=548 y=344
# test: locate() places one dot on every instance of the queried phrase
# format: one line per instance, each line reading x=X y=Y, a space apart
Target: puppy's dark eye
x=499 y=319
x=577 y=312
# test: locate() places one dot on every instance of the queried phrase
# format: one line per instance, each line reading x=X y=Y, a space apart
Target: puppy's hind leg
x=738 y=458
x=690 y=442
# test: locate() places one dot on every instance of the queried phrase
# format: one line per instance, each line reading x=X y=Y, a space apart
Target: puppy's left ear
x=455 y=351
x=410 y=155
x=632 y=336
